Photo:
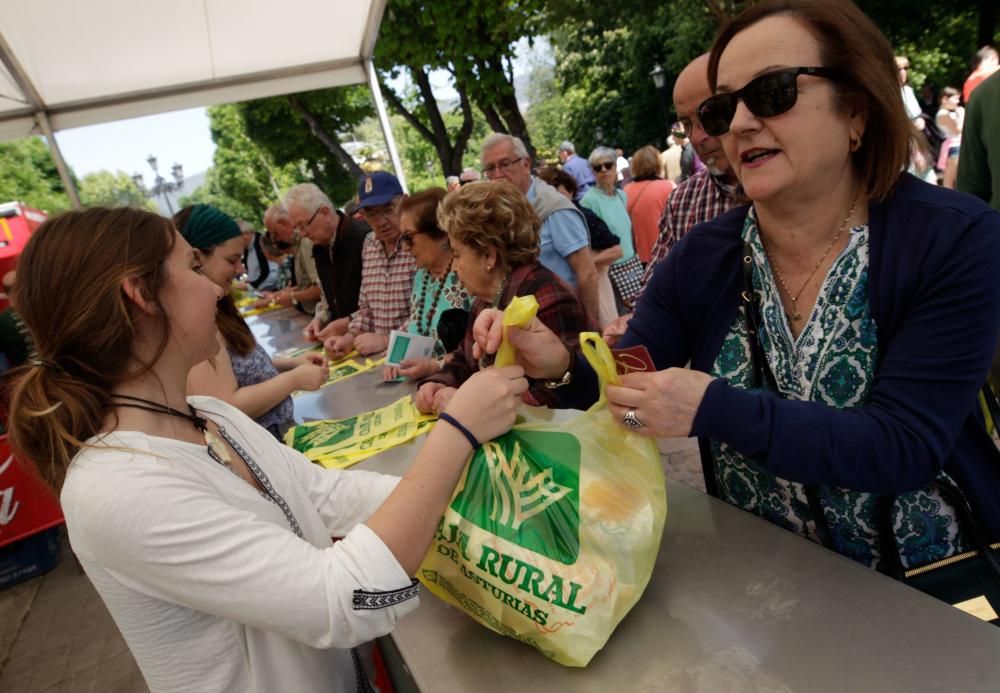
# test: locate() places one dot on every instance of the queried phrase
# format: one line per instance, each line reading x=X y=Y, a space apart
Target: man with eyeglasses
x=387 y=269
x=304 y=292
x=336 y=241
x=706 y=194
x=564 y=238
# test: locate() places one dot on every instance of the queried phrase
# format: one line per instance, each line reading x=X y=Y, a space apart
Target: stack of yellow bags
x=343 y=442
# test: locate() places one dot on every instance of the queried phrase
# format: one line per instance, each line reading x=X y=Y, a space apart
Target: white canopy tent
x=69 y=64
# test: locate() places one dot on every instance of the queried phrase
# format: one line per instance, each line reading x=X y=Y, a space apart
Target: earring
x=855 y=143
x=489 y=268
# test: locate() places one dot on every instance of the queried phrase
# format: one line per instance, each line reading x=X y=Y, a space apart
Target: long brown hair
x=850 y=42
x=69 y=294
x=229 y=320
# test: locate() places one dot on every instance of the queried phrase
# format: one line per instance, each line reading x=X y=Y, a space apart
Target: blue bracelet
x=462 y=429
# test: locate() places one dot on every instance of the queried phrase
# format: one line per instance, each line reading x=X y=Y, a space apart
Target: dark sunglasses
x=278 y=243
x=766 y=96
x=606 y=166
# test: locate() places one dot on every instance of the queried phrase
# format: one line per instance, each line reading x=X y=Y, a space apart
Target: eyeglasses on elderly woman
x=768 y=95
x=603 y=166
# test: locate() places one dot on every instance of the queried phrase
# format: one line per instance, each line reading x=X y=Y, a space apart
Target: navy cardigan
x=934 y=290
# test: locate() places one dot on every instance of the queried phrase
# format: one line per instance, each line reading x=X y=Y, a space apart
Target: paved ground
x=57 y=637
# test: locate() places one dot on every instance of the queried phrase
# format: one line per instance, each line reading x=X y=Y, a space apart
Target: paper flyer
x=404 y=346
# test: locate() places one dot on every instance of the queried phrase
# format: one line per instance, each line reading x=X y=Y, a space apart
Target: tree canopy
x=28 y=174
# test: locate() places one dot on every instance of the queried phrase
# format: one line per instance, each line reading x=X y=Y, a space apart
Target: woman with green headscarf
x=242 y=373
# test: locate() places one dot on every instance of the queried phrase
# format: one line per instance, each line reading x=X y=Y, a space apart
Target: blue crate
x=29 y=557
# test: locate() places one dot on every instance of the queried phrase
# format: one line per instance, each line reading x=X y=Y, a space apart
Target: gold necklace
x=795 y=316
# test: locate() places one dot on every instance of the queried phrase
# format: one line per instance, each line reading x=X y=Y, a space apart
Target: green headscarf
x=208 y=227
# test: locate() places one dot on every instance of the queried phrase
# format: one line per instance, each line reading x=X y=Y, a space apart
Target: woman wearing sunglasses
x=873 y=295
x=436 y=288
x=611 y=205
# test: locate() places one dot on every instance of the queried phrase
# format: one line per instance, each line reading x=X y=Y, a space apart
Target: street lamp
x=659 y=76
x=161 y=186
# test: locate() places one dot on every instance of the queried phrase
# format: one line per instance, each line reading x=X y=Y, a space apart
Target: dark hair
x=947 y=92
x=850 y=42
x=556 y=177
x=423 y=208
x=82 y=335
x=232 y=326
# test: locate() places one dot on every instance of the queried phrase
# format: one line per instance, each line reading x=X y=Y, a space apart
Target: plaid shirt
x=698 y=199
x=558 y=308
x=386 y=283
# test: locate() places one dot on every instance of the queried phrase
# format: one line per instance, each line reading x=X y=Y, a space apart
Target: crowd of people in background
x=837 y=315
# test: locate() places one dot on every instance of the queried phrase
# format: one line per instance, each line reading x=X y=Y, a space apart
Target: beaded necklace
x=429 y=315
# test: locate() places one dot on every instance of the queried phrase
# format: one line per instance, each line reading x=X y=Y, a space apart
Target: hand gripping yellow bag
x=553 y=530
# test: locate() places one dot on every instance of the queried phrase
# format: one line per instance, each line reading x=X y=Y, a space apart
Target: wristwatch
x=567 y=376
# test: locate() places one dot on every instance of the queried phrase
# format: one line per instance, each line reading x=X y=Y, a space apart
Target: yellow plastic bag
x=553 y=531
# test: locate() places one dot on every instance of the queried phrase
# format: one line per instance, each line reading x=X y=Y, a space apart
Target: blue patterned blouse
x=255 y=368
x=832 y=361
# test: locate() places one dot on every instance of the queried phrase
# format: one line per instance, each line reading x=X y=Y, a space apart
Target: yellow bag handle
x=519 y=312
x=522 y=310
x=598 y=355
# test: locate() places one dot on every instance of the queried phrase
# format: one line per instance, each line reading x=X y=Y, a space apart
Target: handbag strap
x=890 y=563
x=630 y=207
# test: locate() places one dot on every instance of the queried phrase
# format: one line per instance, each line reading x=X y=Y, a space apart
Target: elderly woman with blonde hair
x=493 y=233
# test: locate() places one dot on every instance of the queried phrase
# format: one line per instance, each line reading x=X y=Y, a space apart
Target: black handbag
x=969 y=580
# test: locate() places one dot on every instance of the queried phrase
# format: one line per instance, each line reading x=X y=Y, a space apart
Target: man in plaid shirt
x=703 y=196
x=387 y=269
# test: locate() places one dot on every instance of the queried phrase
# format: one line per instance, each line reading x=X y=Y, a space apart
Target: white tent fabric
x=71 y=63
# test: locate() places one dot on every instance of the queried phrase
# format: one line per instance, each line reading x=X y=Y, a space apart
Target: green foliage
x=604 y=57
x=280 y=131
x=211 y=193
x=473 y=38
x=474 y=41
x=29 y=175
x=106 y=189
x=938 y=36
x=243 y=180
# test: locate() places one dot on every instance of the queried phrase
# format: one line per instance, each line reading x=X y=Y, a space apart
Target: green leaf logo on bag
x=525 y=487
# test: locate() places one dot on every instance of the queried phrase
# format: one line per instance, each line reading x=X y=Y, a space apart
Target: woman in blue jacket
x=877 y=298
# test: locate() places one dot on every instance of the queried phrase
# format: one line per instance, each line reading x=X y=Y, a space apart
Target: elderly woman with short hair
x=493 y=232
x=611 y=205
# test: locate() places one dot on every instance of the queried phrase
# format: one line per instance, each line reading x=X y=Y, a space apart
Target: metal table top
x=734 y=604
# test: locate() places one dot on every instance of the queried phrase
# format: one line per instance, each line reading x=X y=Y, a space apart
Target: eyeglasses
x=769 y=95
x=302 y=227
x=684 y=128
x=408 y=238
x=603 y=166
x=382 y=211
x=502 y=165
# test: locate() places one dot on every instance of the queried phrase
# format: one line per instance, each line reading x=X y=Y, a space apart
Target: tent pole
x=383 y=118
x=43 y=122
